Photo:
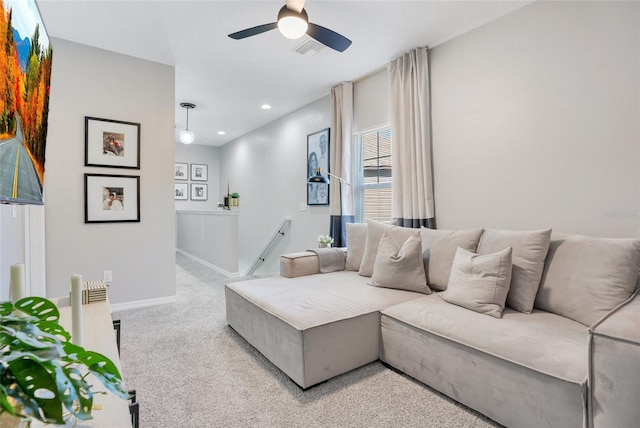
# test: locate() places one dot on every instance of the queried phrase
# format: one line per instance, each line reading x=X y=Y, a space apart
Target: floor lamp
x=319 y=178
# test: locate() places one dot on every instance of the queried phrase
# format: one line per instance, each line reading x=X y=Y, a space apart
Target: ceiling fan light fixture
x=186 y=136
x=292 y=24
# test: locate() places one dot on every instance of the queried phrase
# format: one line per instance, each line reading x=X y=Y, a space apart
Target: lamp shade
x=187 y=136
x=318 y=178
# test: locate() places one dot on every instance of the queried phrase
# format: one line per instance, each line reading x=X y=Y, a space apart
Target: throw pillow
x=375 y=230
x=480 y=282
x=439 y=248
x=585 y=277
x=399 y=264
x=356 y=239
x=529 y=252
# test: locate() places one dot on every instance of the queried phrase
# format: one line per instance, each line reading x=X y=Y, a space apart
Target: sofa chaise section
x=614 y=367
x=524 y=370
x=313 y=327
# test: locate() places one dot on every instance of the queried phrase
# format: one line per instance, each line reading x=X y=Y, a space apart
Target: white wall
x=536 y=121
x=93 y=82
x=205 y=155
x=268 y=168
x=11 y=244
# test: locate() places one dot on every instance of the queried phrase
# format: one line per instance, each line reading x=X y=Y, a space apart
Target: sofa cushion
x=375 y=229
x=529 y=251
x=586 y=277
x=399 y=264
x=541 y=341
x=439 y=248
x=480 y=282
x=356 y=240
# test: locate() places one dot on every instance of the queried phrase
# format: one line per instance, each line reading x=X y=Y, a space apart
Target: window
x=372 y=190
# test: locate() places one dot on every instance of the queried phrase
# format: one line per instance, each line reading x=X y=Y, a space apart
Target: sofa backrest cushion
x=585 y=277
x=399 y=264
x=375 y=230
x=356 y=240
x=530 y=249
x=439 y=249
x=480 y=282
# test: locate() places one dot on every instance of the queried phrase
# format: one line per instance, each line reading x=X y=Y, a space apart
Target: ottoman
x=312 y=327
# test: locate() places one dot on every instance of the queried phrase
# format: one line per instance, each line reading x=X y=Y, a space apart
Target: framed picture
x=199 y=192
x=199 y=172
x=181 y=171
x=182 y=190
x=318 y=157
x=111 y=143
x=111 y=198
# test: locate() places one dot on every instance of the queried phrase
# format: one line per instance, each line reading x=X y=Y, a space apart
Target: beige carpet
x=190 y=369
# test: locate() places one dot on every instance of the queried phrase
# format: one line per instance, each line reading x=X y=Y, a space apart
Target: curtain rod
x=369 y=74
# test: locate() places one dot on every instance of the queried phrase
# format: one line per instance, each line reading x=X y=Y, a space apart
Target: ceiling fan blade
x=296 y=5
x=253 y=31
x=328 y=37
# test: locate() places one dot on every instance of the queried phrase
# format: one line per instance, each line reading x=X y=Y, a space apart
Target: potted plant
x=324 y=241
x=42 y=374
x=235 y=199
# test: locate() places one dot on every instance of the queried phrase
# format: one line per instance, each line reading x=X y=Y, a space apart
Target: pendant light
x=187 y=136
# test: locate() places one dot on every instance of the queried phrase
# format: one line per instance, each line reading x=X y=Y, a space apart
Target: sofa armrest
x=614 y=367
x=299 y=264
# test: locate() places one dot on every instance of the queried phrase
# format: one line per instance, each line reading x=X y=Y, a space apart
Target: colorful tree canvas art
x=25 y=75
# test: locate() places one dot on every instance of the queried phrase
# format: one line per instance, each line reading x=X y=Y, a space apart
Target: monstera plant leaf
x=38 y=390
x=106 y=372
x=6 y=308
x=39 y=307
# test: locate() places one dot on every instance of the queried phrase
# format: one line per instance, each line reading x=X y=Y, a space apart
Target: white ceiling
x=230 y=79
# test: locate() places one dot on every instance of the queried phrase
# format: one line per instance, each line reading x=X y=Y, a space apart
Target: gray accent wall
x=268 y=168
x=536 y=121
x=93 y=82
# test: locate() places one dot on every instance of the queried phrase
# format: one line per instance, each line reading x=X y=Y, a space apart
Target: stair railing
x=279 y=233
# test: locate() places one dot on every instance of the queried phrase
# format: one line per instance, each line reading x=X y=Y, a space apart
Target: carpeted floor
x=190 y=369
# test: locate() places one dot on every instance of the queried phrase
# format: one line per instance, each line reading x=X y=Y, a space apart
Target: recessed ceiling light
x=265 y=107
x=221 y=132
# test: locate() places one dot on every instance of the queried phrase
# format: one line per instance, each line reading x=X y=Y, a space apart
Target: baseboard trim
x=143 y=303
x=207 y=264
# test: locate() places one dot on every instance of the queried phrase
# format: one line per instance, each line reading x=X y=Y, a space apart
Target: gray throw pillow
x=375 y=230
x=480 y=282
x=585 y=277
x=529 y=252
x=399 y=264
x=356 y=240
x=439 y=248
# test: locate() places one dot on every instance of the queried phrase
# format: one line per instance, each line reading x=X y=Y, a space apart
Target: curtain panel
x=412 y=186
x=341 y=194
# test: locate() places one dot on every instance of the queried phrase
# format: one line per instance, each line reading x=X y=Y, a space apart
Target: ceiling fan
x=293 y=22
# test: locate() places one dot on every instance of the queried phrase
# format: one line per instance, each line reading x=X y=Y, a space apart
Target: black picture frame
x=318 y=149
x=199 y=172
x=199 y=192
x=111 y=143
x=111 y=198
x=181 y=171
x=182 y=191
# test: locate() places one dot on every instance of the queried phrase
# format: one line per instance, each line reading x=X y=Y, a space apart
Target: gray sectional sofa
x=530 y=330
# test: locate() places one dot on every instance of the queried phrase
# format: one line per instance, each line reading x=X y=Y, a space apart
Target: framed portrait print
x=181 y=171
x=182 y=190
x=199 y=192
x=199 y=172
x=318 y=157
x=111 y=198
x=111 y=143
